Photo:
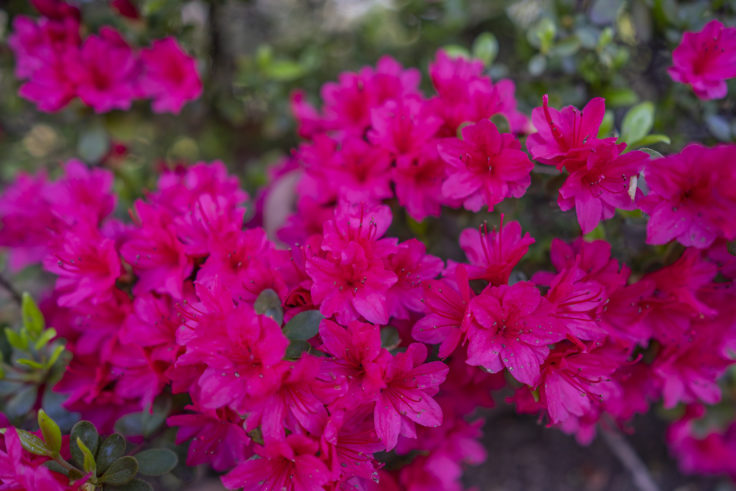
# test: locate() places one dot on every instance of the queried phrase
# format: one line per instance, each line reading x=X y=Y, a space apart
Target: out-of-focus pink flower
x=706 y=59
x=170 y=76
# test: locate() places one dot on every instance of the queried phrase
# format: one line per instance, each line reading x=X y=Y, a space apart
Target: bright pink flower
x=87 y=266
x=217 y=437
x=170 y=76
x=412 y=266
x=18 y=473
x=446 y=304
x=288 y=465
x=56 y=9
x=485 y=167
x=107 y=72
x=565 y=137
x=153 y=326
x=577 y=303
x=39 y=42
x=349 y=442
x=155 y=253
x=511 y=327
x=126 y=8
x=294 y=401
x=419 y=181
x=83 y=195
x=27 y=220
x=604 y=182
x=705 y=60
x=691 y=196
x=52 y=85
x=406 y=395
x=402 y=127
x=492 y=255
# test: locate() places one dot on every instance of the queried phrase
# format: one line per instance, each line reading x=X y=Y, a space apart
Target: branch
x=630 y=460
x=7 y=286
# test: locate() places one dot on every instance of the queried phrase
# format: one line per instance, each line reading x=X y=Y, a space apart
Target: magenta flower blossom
x=485 y=167
x=83 y=195
x=107 y=72
x=605 y=182
x=404 y=127
x=565 y=137
x=288 y=465
x=446 y=305
x=691 y=196
x=493 y=254
x=155 y=253
x=419 y=181
x=349 y=442
x=87 y=266
x=412 y=266
x=705 y=60
x=38 y=42
x=18 y=473
x=405 y=398
x=216 y=437
x=512 y=327
x=170 y=76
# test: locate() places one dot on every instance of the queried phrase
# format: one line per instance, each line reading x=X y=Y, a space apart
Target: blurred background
x=253 y=54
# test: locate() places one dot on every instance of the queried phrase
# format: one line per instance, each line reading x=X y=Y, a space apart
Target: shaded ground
x=526 y=456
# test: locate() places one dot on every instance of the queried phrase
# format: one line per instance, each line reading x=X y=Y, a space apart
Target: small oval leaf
x=87 y=433
x=296 y=348
x=32 y=443
x=120 y=472
x=268 y=303
x=637 y=122
x=51 y=432
x=111 y=449
x=32 y=316
x=88 y=460
x=303 y=326
x=156 y=461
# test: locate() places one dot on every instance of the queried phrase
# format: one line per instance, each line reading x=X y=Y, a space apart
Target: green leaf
x=501 y=122
x=637 y=122
x=51 y=432
x=32 y=443
x=88 y=460
x=268 y=303
x=22 y=402
x=54 y=466
x=32 y=316
x=652 y=153
x=156 y=461
x=303 y=326
x=542 y=34
x=16 y=340
x=597 y=233
x=606 y=125
x=146 y=422
x=121 y=471
x=390 y=338
x=296 y=348
x=134 y=485
x=651 y=140
x=456 y=51
x=85 y=432
x=58 y=350
x=44 y=338
x=485 y=48
x=111 y=449
x=284 y=70
x=617 y=97
x=29 y=363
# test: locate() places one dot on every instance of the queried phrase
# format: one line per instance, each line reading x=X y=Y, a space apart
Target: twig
x=5 y=284
x=630 y=460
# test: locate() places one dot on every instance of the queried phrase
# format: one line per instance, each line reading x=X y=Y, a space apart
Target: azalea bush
x=434 y=242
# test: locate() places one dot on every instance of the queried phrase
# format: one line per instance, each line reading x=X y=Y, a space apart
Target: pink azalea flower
x=405 y=398
x=107 y=72
x=36 y=43
x=690 y=196
x=412 y=266
x=705 y=60
x=349 y=442
x=565 y=137
x=170 y=76
x=446 y=305
x=289 y=465
x=402 y=127
x=87 y=266
x=602 y=184
x=485 y=167
x=83 y=195
x=155 y=253
x=511 y=327
x=217 y=437
x=18 y=473
x=52 y=86
x=492 y=255
x=418 y=180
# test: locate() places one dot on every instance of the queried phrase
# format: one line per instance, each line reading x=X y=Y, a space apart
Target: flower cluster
x=102 y=69
x=356 y=360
